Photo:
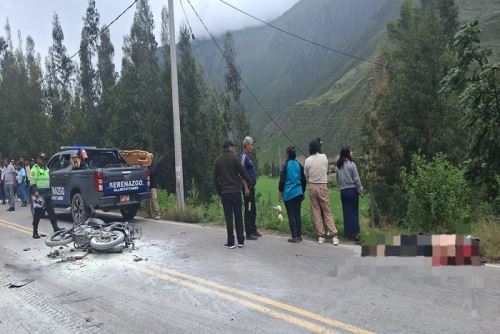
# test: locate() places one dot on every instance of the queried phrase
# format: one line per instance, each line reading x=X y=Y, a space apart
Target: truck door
x=59 y=180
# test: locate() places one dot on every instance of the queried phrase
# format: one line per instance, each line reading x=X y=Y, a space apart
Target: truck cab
x=81 y=177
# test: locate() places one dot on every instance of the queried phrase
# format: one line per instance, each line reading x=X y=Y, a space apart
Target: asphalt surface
x=187 y=282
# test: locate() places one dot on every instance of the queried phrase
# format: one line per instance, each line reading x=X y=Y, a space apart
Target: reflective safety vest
x=40 y=177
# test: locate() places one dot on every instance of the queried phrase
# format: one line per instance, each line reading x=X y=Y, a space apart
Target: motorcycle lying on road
x=96 y=234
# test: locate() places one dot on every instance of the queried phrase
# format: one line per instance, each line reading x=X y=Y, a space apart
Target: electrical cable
x=303 y=38
x=88 y=43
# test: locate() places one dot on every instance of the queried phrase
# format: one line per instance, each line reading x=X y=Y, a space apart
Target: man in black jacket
x=228 y=174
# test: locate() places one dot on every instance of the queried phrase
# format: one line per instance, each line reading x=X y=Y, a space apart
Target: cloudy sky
x=34 y=17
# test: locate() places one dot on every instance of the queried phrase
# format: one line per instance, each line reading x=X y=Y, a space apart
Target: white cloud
x=34 y=17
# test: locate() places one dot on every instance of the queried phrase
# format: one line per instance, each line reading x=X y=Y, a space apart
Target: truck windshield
x=103 y=158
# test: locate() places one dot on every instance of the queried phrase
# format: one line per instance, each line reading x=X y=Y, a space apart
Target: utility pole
x=179 y=179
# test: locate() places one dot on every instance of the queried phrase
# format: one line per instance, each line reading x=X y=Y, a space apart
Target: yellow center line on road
x=6 y=224
x=19 y=227
x=259 y=308
x=265 y=300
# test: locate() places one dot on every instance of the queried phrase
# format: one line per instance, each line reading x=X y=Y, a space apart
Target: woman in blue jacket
x=291 y=190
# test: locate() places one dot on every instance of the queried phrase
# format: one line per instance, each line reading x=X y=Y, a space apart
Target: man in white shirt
x=316 y=170
x=2 y=192
x=9 y=183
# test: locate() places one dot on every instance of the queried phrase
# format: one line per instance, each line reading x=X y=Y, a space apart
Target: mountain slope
x=282 y=70
x=313 y=92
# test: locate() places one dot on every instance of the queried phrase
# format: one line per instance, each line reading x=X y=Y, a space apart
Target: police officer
x=40 y=188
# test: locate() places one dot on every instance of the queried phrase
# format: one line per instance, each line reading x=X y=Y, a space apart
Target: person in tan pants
x=154 y=184
x=316 y=170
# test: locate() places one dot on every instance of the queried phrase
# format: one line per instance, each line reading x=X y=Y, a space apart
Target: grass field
x=267 y=197
x=267 y=194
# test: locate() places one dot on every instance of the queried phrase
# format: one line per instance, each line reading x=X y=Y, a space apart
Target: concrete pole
x=179 y=180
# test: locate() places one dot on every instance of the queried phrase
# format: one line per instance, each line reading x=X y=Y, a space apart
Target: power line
x=303 y=38
x=210 y=83
x=310 y=107
x=239 y=76
x=88 y=43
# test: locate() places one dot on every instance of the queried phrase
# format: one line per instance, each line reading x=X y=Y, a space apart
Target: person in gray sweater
x=350 y=190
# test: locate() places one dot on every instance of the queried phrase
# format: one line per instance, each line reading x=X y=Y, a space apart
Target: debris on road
x=75 y=255
x=19 y=284
x=26 y=249
x=53 y=254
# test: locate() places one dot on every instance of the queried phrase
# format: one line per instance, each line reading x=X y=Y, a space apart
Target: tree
x=90 y=122
x=107 y=77
x=139 y=90
x=165 y=34
x=59 y=86
x=194 y=119
x=478 y=84
x=236 y=114
x=37 y=126
x=20 y=99
x=89 y=47
x=409 y=115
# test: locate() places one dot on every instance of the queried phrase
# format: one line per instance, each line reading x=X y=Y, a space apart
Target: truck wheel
x=129 y=211
x=79 y=210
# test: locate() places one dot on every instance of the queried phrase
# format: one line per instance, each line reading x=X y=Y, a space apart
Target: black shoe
x=299 y=239
x=35 y=235
x=257 y=234
x=251 y=237
x=57 y=228
x=229 y=246
x=293 y=240
x=240 y=245
x=11 y=209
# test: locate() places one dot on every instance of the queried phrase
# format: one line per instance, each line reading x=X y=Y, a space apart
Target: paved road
x=191 y=284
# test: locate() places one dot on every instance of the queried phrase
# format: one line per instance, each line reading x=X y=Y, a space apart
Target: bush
x=168 y=209
x=488 y=231
x=387 y=204
x=438 y=197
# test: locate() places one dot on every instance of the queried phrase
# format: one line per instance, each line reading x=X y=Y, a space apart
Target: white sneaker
x=321 y=240
x=335 y=241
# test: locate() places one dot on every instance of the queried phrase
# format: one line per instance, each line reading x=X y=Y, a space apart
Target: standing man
x=316 y=171
x=155 y=183
x=228 y=172
x=9 y=182
x=21 y=184
x=27 y=170
x=40 y=187
x=250 y=208
x=2 y=192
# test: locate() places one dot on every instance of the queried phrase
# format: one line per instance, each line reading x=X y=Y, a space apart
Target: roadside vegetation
x=431 y=138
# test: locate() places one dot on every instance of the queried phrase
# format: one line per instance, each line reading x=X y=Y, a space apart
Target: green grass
x=267 y=195
x=487 y=229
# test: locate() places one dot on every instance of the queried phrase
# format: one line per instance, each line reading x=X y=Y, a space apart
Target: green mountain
x=314 y=92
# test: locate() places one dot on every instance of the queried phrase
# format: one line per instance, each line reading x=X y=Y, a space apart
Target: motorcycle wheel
x=59 y=238
x=109 y=240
